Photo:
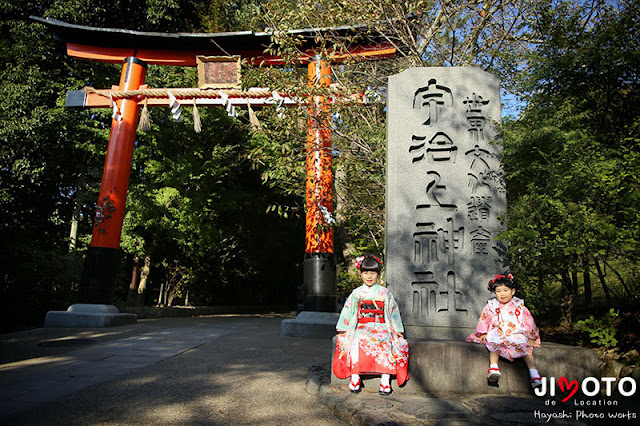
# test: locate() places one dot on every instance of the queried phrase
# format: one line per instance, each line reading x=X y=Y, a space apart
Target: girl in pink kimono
x=370 y=339
x=507 y=328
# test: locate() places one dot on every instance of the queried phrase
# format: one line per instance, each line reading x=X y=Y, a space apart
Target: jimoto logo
x=590 y=386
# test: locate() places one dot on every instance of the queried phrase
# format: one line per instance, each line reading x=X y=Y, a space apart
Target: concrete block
x=315 y=325
x=89 y=315
x=93 y=308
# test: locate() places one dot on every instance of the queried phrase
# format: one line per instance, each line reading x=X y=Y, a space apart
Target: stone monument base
x=89 y=315
x=315 y=325
x=419 y=332
x=444 y=366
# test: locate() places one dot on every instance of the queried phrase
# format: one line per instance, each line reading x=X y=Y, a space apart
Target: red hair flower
x=498 y=277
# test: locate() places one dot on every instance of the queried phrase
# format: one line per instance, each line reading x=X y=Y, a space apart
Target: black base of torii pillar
x=320 y=282
x=319 y=317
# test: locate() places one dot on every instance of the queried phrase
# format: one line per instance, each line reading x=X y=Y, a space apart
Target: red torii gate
x=136 y=49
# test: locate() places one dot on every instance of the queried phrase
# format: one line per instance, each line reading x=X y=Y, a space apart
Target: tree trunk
x=74 y=260
x=144 y=278
x=567 y=301
x=574 y=281
x=574 y=288
x=586 y=281
x=624 y=284
x=169 y=290
x=161 y=295
x=171 y=295
x=132 y=297
x=75 y=217
x=607 y=294
x=73 y=232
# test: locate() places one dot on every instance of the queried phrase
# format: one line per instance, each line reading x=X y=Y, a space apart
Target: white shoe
x=493 y=374
x=536 y=381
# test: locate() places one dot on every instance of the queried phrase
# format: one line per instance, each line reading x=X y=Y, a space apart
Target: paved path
x=228 y=370
x=207 y=370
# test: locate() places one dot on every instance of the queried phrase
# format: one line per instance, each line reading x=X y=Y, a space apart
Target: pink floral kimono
x=508 y=328
x=371 y=342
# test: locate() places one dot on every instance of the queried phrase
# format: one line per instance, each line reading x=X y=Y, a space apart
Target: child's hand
x=534 y=343
x=482 y=338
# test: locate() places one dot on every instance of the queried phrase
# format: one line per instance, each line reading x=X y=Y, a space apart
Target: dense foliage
x=572 y=161
x=217 y=216
x=196 y=223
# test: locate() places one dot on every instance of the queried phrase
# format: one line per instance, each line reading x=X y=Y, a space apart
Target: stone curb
x=370 y=408
x=410 y=408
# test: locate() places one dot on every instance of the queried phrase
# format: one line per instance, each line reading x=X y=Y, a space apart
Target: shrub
x=602 y=331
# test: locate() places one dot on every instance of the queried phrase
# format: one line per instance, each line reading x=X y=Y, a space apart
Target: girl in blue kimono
x=370 y=340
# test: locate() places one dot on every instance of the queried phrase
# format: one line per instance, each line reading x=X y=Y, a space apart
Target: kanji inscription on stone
x=445 y=197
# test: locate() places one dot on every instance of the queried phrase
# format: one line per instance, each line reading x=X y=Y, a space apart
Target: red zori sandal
x=355 y=387
x=385 y=390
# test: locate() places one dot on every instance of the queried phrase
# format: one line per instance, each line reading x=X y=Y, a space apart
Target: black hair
x=506 y=279
x=370 y=263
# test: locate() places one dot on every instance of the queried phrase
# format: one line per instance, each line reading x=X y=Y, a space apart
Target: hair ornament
x=361 y=258
x=498 y=277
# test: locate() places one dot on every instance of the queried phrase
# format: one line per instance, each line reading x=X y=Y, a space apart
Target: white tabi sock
x=384 y=379
x=493 y=366
x=355 y=379
x=533 y=373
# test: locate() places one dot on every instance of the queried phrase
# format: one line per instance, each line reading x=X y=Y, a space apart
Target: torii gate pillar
x=319 y=261
x=102 y=261
x=319 y=317
x=104 y=255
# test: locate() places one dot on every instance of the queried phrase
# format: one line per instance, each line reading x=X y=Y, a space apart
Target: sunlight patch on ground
x=47 y=360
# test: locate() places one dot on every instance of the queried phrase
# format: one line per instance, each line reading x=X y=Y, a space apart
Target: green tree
x=493 y=35
x=198 y=209
x=46 y=153
x=572 y=157
x=186 y=204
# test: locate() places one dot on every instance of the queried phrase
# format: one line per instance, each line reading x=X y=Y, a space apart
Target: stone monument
x=446 y=197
